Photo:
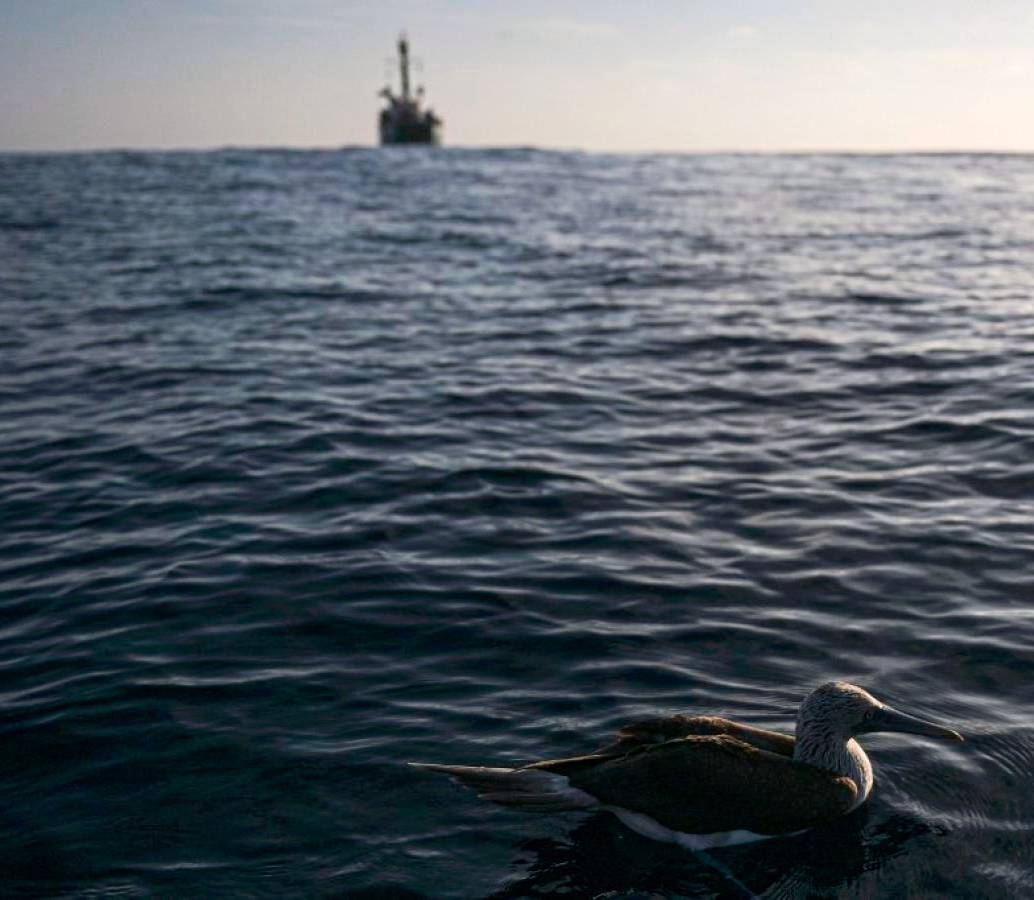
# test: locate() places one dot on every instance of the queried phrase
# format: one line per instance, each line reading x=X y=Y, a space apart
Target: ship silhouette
x=404 y=120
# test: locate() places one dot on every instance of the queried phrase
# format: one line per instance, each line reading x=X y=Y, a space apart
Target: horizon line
x=789 y=151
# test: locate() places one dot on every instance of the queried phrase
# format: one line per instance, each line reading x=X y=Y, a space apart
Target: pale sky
x=588 y=74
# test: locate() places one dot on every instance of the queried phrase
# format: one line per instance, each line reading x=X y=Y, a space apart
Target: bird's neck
x=835 y=753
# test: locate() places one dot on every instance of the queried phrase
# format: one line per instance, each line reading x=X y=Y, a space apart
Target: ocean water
x=316 y=462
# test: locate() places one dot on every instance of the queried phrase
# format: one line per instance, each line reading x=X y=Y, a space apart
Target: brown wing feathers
x=668 y=728
x=704 y=784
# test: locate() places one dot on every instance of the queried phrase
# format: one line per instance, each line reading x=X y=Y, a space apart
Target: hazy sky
x=592 y=74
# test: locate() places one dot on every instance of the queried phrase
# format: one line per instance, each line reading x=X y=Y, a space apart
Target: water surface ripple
x=315 y=462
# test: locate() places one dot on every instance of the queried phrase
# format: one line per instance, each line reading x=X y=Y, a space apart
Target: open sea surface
x=316 y=462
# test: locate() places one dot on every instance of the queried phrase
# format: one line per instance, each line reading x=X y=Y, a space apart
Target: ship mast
x=404 y=65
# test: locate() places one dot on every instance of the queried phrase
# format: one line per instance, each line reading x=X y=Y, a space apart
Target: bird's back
x=701 y=784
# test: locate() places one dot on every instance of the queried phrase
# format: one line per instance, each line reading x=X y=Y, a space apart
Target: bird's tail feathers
x=532 y=790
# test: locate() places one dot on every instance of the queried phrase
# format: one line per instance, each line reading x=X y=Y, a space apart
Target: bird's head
x=847 y=711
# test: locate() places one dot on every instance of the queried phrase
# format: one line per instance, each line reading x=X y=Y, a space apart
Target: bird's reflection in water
x=602 y=858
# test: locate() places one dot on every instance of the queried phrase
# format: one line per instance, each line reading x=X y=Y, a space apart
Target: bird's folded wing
x=668 y=728
x=707 y=784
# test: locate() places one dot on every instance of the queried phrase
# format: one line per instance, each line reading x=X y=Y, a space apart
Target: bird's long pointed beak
x=887 y=718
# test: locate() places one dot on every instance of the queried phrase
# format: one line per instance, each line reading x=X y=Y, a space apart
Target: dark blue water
x=312 y=463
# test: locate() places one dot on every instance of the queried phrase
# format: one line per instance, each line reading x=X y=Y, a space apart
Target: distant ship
x=403 y=121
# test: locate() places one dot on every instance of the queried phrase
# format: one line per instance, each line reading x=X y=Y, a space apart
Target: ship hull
x=410 y=133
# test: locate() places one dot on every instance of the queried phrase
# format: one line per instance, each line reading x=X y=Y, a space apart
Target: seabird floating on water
x=704 y=781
